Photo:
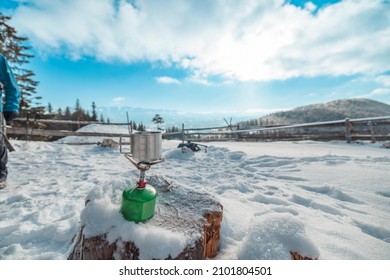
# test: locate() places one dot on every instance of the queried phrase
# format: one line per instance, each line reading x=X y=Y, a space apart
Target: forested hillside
x=334 y=110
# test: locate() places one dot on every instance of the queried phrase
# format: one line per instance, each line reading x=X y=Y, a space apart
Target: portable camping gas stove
x=139 y=201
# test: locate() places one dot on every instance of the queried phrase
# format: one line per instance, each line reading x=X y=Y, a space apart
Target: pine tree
x=88 y=116
x=158 y=120
x=94 y=115
x=68 y=114
x=15 y=50
x=49 y=108
x=79 y=113
x=78 y=106
x=141 y=127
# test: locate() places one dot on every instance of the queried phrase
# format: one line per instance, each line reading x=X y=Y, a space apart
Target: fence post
x=182 y=132
x=372 y=132
x=348 y=130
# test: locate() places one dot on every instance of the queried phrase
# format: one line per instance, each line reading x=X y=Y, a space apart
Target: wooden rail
x=373 y=129
x=57 y=133
x=51 y=121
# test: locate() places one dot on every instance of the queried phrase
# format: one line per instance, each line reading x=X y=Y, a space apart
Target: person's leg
x=3 y=154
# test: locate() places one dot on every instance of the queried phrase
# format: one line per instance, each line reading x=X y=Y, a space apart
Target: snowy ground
x=330 y=200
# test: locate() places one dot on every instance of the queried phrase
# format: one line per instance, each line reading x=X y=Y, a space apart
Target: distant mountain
x=171 y=117
x=334 y=110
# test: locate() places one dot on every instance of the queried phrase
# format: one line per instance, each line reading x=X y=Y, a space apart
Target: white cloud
x=242 y=40
x=167 y=80
x=119 y=101
x=310 y=6
x=384 y=80
x=379 y=91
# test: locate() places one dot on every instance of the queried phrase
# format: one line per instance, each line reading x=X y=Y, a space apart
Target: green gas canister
x=139 y=203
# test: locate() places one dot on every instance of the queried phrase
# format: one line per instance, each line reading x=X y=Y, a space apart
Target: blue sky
x=206 y=56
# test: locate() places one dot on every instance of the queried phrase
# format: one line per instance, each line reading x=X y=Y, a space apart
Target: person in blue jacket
x=9 y=109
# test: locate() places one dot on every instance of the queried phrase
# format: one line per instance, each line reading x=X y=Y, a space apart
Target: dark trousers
x=3 y=152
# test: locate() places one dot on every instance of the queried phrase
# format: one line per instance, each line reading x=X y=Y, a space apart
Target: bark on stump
x=298 y=257
x=179 y=209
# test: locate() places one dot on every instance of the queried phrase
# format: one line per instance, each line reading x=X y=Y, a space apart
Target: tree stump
x=195 y=215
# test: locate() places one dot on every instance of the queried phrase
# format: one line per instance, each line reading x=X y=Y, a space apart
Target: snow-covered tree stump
x=187 y=220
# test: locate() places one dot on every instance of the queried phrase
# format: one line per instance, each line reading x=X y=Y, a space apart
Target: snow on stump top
x=186 y=225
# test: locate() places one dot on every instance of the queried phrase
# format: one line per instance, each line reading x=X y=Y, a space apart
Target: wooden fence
x=372 y=129
x=43 y=128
